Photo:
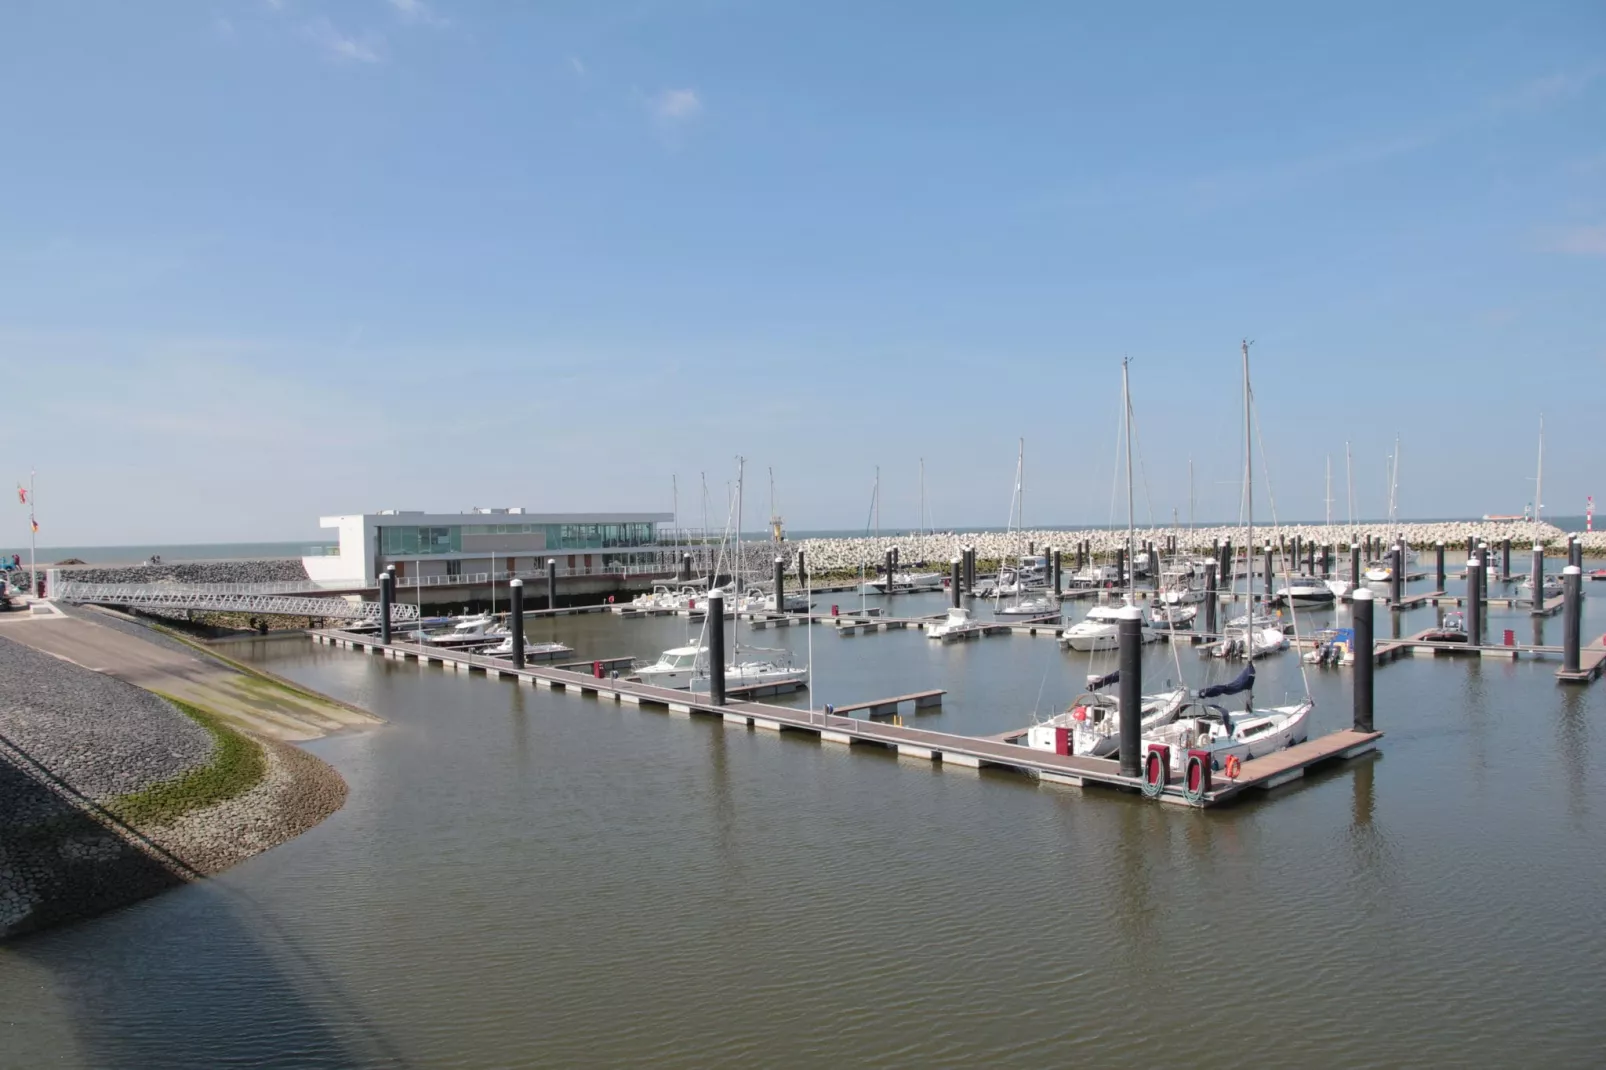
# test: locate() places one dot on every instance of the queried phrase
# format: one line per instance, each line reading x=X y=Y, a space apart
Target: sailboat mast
x=924 y=527
x=705 y=529
x=878 y=512
x=674 y=495
x=1249 y=485
x=741 y=468
x=1190 y=498
x=1131 y=531
x=1539 y=479
x=1020 y=486
x=1349 y=478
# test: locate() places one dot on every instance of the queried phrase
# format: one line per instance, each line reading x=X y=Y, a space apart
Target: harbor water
x=525 y=878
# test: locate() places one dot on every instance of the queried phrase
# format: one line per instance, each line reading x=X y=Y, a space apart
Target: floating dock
x=947 y=749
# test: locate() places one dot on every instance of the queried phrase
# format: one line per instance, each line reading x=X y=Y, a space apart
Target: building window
x=454 y=568
x=419 y=540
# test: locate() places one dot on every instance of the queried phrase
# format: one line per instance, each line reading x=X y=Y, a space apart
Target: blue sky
x=265 y=261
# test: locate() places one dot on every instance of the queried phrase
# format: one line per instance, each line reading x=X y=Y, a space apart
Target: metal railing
x=207 y=598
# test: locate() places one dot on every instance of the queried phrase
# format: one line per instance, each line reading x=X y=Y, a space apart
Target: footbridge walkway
x=277 y=599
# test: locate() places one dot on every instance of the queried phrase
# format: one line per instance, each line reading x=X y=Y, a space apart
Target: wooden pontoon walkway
x=969 y=752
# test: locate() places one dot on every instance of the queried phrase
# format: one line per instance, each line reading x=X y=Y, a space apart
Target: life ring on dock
x=1231 y=767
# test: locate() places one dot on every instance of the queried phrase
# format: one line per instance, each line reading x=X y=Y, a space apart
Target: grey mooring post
x=716 y=649
x=1269 y=573
x=1327 y=561
x=1298 y=547
x=1539 y=575
x=1362 y=618
x=1228 y=565
x=1355 y=576
x=1059 y=577
x=802 y=571
x=1572 y=591
x=1130 y=638
x=1396 y=574
x=780 y=584
x=1120 y=565
x=552 y=583
x=1310 y=559
x=970 y=569
x=1438 y=565
x=1211 y=592
x=1575 y=553
x=1474 y=600
x=896 y=558
x=1505 y=560
x=1472 y=545
x=385 y=599
x=888 y=567
x=515 y=622
x=685 y=566
x=955 y=576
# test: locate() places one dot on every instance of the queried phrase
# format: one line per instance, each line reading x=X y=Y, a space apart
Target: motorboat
x=1331 y=646
x=907 y=583
x=1091 y=724
x=1306 y=591
x=1100 y=629
x=1258 y=620
x=1096 y=576
x=790 y=603
x=1034 y=607
x=532 y=651
x=1598 y=574
x=1176 y=586
x=1341 y=589
x=956 y=623
x=1379 y=572
x=1142 y=565
x=759 y=672
x=1250 y=642
x=1453 y=630
x=1552 y=586
x=675 y=667
x=1172 y=616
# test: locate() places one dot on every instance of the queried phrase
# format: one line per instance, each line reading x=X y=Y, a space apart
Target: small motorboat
x=674 y=668
x=1100 y=630
x=1333 y=646
x=1598 y=574
x=1028 y=607
x=1552 y=586
x=532 y=651
x=1252 y=642
x=1453 y=630
x=956 y=624
x=1172 y=616
x=907 y=583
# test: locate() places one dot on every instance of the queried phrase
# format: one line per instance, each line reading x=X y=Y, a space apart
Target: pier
x=946 y=749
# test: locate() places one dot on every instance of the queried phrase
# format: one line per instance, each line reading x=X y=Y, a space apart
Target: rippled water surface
x=528 y=878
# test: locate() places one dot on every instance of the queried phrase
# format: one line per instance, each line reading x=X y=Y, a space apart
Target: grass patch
x=236 y=767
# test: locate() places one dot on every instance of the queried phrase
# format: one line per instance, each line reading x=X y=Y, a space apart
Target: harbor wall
x=110 y=794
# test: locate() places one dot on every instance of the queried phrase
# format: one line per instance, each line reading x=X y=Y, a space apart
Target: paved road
x=248 y=701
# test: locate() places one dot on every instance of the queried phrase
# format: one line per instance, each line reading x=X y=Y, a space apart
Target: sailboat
x=1029 y=572
x=1091 y=724
x=1252 y=635
x=774 y=668
x=1101 y=627
x=1203 y=725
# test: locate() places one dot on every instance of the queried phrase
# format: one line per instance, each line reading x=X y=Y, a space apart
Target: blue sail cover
x=1096 y=682
x=1244 y=682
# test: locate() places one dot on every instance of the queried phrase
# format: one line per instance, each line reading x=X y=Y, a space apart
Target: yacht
x=1033 y=607
x=1176 y=586
x=675 y=667
x=1249 y=734
x=1552 y=586
x=1172 y=616
x=958 y=622
x=1100 y=629
x=1250 y=642
x=532 y=651
x=758 y=673
x=907 y=583
x=793 y=602
x=1306 y=591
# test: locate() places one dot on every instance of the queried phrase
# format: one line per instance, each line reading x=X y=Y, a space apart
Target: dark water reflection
x=529 y=879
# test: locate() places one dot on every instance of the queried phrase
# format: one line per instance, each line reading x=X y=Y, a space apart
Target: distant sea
x=172 y=553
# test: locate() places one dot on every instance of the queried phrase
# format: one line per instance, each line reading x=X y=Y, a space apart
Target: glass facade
x=410 y=541
x=446 y=540
x=591 y=536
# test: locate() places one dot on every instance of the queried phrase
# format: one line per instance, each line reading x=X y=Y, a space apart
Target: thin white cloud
x=223 y=28
x=1579 y=241
x=1551 y=89
x=417 y=13
x=677 y=105
x=341 y=46
x=577 y=65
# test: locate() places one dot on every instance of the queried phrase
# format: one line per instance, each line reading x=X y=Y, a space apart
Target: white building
x=499 y=542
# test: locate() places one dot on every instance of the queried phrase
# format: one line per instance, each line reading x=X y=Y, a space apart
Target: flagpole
x=33 y=540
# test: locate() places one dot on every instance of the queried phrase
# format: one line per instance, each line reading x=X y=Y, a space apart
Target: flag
x=22 y=494
x=35 y=524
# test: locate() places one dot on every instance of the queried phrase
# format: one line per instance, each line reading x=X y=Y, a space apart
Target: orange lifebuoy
x=1079 y=713
x=1231 y=766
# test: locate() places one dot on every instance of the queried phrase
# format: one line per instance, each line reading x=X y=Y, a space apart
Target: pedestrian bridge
x=257 y=598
